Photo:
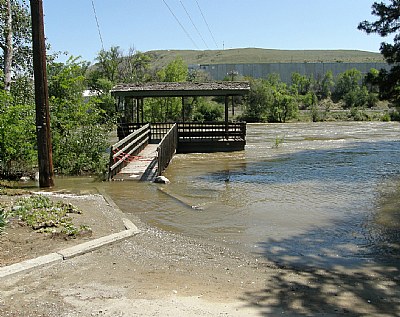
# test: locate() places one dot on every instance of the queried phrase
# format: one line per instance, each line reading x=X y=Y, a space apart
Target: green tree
x=372 y=80
x=356 y=98
x=135 y=67
x=176 y=71
x=271 y=100
x=169 y=109
x=15 y=39
x=108 y=63
x=79 y=132
x=302 y=84
x=283 y=108
x=351 y=89
x=17 y=136
x=114 y=66
x=388 y=22
x=325 y=86
x=347 y=82
x=285 y=104
x=260 y=96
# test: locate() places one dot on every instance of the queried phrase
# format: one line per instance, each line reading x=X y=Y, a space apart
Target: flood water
x=326 y=192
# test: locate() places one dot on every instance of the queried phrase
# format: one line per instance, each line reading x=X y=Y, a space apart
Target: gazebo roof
x=181 y=89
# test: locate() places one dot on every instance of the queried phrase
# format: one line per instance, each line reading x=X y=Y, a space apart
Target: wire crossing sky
x=194 y=25
x=205 y=21
x=181 y=25
x=98 y=25
x=206 y=24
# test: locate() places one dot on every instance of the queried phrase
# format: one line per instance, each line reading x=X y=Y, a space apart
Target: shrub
x=207 y=112
x=44 y=215
x=385 y=117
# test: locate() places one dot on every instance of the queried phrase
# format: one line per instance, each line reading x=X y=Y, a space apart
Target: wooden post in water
x=45 y=154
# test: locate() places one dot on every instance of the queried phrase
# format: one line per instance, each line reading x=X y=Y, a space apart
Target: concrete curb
x=66 y=254
x=94 y=244
x=30 y=264
x=74 y=251
x=127 y=223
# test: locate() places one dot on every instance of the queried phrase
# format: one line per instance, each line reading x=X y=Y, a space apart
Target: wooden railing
x=185 y=137
x=157 y=130
x=122 y=152
x=213 y=131
x=160 y=130
x=167 y=149
x=190 y=130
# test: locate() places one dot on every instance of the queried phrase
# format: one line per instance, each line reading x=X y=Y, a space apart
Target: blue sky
x=149 y=25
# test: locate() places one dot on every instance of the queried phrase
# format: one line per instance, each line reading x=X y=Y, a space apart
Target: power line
x=194 y=25
x=98 y=26
x=183 y=28
x=205 y=21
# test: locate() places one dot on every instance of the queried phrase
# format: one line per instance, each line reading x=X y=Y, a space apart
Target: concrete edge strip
x=94 y=244
x=129 y=225
x=65 y=254
x=30 y=264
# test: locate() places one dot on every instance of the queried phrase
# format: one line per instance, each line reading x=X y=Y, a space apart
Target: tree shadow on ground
x=328 y=280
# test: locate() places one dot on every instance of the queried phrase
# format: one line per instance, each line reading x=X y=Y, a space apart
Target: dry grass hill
x=258 y=55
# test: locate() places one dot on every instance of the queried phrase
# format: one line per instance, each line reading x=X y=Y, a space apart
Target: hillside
x=258 y=55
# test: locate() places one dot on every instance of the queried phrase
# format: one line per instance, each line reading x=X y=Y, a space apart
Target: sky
x=145 y=25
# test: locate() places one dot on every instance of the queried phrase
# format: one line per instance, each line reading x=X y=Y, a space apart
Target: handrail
x=122 y=151
x=174 y=137
x=188 y=130
x=167 y=149
x=195 y=131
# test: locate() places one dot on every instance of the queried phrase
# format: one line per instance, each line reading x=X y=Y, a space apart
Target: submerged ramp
x=143 y=166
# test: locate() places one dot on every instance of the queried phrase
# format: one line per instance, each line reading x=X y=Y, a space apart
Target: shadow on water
x=334 y=269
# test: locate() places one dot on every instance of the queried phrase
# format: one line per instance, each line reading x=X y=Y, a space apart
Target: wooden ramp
x=142 y=166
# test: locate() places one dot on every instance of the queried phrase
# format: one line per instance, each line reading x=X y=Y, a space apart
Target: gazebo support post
x=226 y=116
x=137 y=110
x=142 y=108
x=183 y=109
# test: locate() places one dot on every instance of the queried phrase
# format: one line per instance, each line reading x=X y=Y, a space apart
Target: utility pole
x=45 y=155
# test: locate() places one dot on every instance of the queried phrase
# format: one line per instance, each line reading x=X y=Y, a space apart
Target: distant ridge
x=258 y=55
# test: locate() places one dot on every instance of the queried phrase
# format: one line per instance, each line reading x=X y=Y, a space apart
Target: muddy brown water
x=320 y=193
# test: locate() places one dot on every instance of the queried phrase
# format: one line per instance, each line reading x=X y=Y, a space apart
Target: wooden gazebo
x=138 y=92
x=192 y=136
